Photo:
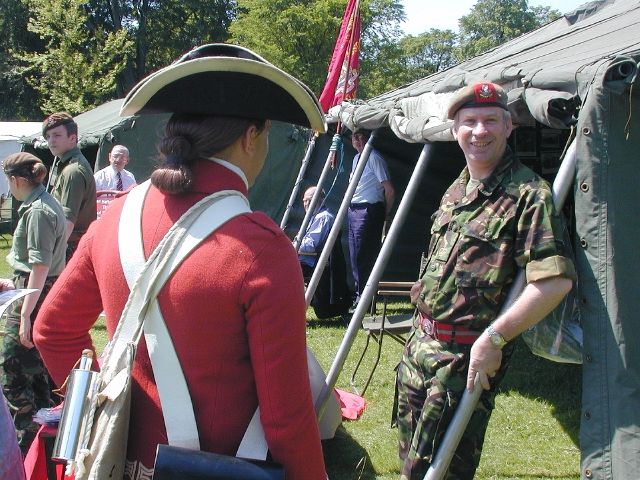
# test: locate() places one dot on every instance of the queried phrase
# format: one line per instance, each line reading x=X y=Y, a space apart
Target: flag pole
x=352 y=35
x=349 y=30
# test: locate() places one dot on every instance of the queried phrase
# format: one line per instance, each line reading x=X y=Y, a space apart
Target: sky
x=422 y=15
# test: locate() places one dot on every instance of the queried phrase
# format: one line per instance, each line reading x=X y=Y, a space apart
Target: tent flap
x=551 y=107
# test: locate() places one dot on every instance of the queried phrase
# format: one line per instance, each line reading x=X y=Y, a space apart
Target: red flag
x=345 y=61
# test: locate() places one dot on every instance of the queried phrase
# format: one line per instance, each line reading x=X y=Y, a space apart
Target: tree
x=95 y=50
x=494 y=22
x=411 y=58
x=299 y=35
x=161 y=30
x=429 y=52
x=80 y=64
x=18 y=101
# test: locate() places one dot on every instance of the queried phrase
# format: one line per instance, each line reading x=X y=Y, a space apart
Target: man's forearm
x=389 y=196
x=37 y=277
x=535 y=302
x=69 y=229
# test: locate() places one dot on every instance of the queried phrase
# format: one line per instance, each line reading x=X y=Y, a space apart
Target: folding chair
x=394 y=326
x=377 y=326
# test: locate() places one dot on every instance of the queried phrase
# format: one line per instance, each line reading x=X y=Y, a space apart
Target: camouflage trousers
x=431 y=379
x=26 y=382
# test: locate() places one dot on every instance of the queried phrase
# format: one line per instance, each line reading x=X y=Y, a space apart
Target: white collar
x=234 y=168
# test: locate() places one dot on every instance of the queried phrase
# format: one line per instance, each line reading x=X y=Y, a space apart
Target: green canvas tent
x=573 y=80
x=101 y=128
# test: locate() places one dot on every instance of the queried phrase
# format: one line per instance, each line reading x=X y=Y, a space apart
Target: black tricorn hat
x=222 y=79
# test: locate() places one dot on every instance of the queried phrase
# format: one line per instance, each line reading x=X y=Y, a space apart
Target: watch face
x=496 y=340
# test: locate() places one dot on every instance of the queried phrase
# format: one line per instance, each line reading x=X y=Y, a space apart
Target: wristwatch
x=496 y=338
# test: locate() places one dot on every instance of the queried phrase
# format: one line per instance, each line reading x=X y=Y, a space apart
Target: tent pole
x=438 y=469
x=339 y=221
x=376 y=274
x=296 y=186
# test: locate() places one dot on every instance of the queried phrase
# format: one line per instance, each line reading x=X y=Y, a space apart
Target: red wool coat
x=235 y=311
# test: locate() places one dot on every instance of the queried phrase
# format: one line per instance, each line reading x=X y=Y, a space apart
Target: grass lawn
x=533 y=433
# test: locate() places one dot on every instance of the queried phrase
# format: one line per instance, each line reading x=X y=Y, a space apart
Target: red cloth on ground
x=236 y=314
x=351 y=405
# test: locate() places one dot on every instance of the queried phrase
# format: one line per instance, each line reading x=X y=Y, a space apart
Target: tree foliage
x=494 y=22
x=96 y=50
x=79 y=67
x=299 y=36
x=412 y=58
x=75 y=54
x=17 y=98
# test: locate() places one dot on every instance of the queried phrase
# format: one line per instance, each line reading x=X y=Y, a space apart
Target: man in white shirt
x=114 y=176
x=370 y=206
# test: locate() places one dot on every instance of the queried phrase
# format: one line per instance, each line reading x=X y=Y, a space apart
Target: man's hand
x=414 y=294
x=25 y=331
x=485 y=361
x=6 y=284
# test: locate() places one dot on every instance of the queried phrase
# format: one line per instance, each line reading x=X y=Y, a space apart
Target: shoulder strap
x=191 y=229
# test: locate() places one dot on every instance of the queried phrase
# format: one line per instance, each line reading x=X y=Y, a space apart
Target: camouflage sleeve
x=542 y=244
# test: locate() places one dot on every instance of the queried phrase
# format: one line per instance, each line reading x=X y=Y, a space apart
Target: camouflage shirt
x=479 y=240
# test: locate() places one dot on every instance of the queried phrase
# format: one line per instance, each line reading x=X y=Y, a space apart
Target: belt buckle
x=428 y=326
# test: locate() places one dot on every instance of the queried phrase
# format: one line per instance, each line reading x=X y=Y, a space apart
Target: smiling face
x=482 y=134
x=60 y=141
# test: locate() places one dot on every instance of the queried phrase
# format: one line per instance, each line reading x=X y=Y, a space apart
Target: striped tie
x=119 y=183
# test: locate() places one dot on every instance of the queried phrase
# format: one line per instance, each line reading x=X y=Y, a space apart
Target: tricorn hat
x=481 y=94
x=222 y=79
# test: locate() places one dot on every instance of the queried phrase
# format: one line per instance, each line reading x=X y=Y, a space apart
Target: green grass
x=533 y=433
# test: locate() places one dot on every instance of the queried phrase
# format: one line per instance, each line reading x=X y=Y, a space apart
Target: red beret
x=481 y=94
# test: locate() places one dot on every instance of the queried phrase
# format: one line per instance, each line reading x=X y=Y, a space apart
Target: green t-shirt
x=39 y=234
x=75 y=188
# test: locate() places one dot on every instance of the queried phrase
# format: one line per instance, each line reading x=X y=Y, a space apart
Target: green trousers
x=26 y=382
x=431 y=379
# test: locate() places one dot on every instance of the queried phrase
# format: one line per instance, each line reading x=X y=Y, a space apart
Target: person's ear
x=249 y=139
x=509 y=126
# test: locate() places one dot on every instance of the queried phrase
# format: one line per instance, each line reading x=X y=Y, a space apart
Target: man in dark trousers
x=496 y=217
x=71 y=177
x=370 y=206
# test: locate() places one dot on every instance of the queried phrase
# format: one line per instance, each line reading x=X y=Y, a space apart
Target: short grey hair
x=121 y=148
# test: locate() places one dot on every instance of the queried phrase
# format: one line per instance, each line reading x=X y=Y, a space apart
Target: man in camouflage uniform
x=498 y=216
